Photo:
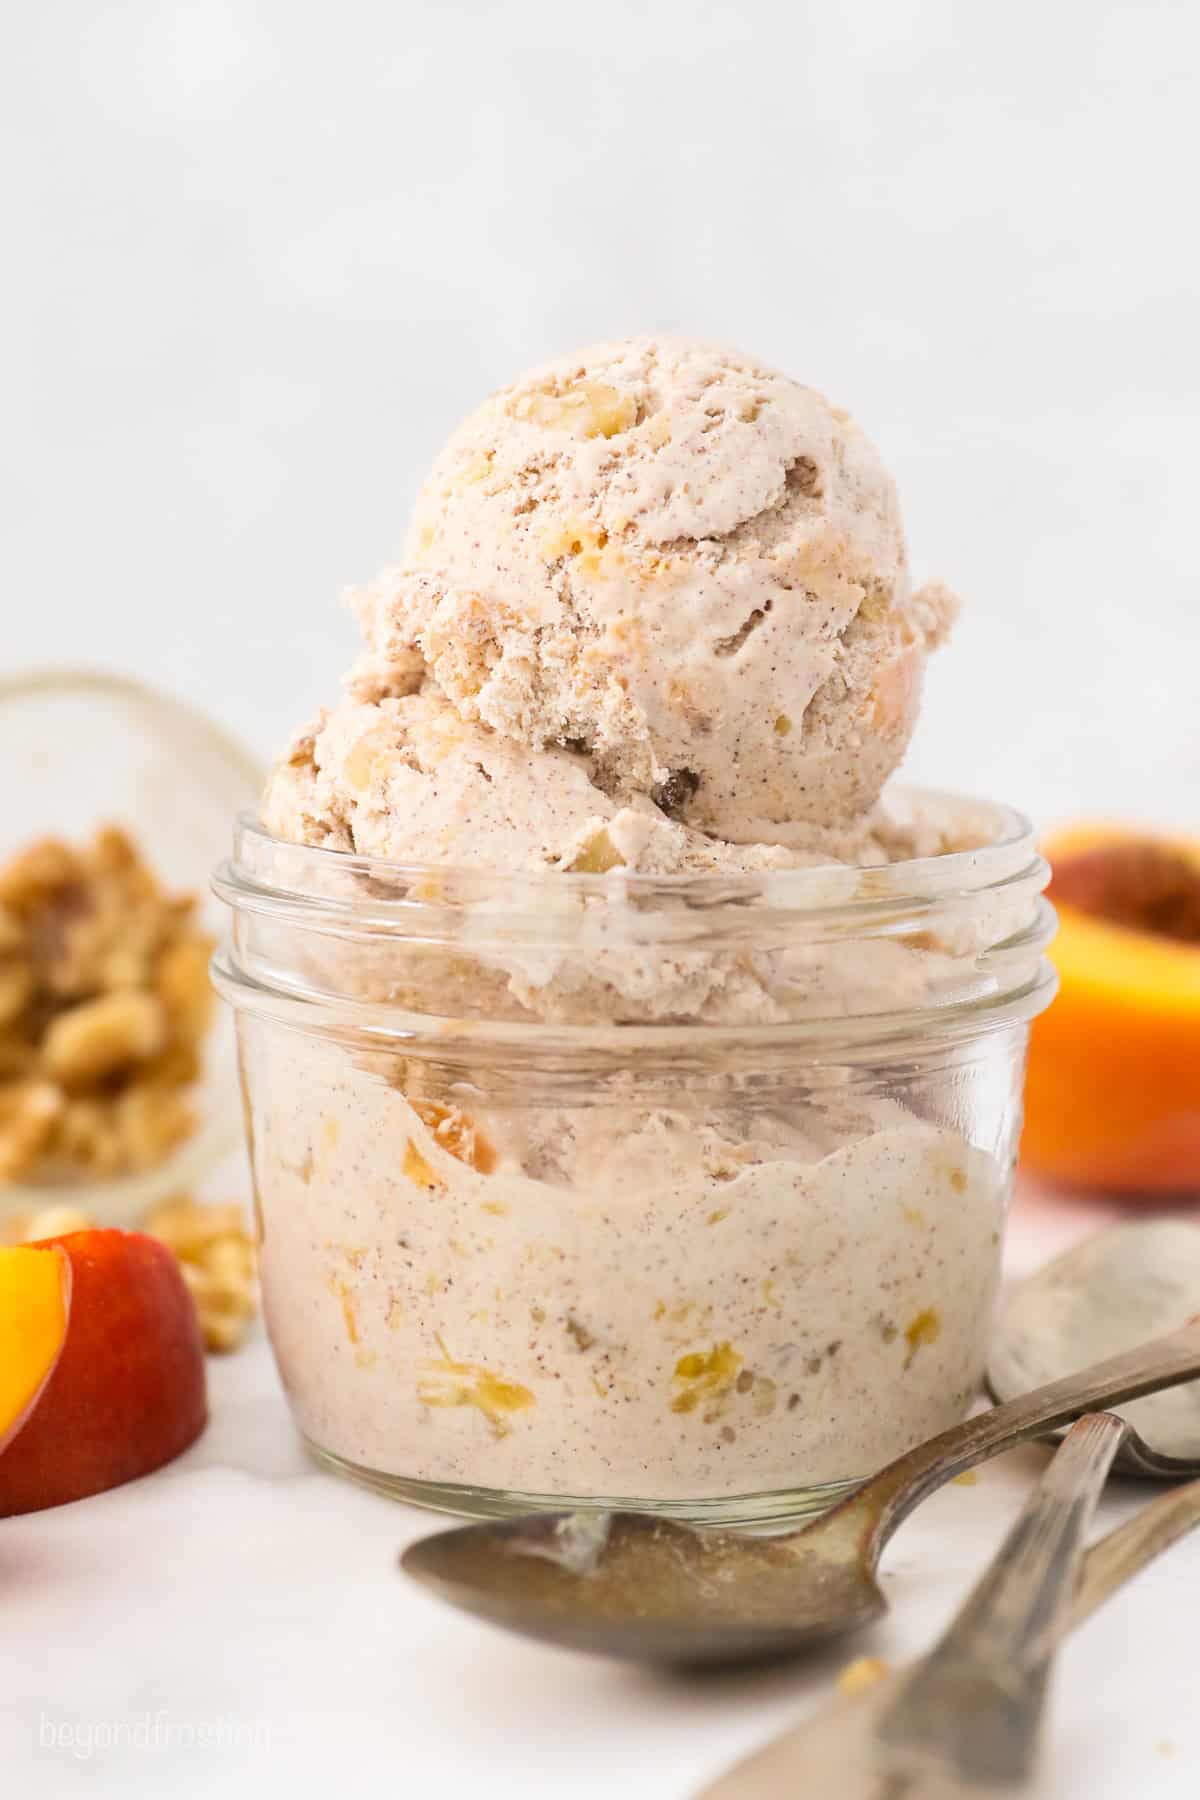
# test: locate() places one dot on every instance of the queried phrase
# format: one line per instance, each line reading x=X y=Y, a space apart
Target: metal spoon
x=650 y=1590
x=963 y=1720
x=781 y=1765
x=1100 y=1297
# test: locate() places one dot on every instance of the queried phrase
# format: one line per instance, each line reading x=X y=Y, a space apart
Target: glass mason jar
x=683 y=1194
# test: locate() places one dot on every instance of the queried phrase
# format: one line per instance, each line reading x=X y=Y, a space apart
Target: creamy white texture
x=654 y=613
x=681 y=561
x=407 y=778
x=667 y=1311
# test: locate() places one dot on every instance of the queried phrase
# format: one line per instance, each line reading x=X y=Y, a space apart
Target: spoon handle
x=975 y=1702
x=1121 y=1555
x=872 y=1512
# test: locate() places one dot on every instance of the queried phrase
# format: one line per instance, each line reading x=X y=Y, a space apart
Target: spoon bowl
x=626 y=1584
x=654 y=1590
x=1102 y=1296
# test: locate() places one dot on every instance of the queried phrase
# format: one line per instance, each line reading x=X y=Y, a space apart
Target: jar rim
x=265 y=870
x=976 y=914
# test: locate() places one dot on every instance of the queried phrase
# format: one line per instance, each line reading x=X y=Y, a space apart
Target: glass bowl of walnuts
x=118 y=1083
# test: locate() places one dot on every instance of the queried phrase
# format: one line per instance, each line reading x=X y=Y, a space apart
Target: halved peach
x=1112 y=1099
x=35 y=1305
x=128 y=1391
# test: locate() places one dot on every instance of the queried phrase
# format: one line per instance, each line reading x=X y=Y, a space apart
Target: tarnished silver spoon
x=962 y=1722
x=1104 y=1295
x=836 y=1737
x=650 y=1590
x=975 y=1701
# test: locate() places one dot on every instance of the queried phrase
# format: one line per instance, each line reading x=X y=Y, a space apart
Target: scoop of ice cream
x=663 y=555
x=409 y=779
x=406 y=779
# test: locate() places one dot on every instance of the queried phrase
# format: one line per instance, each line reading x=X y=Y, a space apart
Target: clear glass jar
x=683 y=1194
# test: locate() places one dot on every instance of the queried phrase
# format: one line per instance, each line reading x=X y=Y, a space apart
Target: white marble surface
x=235 y=1625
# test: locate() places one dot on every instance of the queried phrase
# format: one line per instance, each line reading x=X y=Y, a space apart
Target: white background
x=261 y=257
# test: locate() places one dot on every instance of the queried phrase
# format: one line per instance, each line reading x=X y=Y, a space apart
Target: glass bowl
x=82 y=749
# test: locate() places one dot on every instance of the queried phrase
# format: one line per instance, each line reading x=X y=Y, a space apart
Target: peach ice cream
x=682 y=563
x=613 y=1163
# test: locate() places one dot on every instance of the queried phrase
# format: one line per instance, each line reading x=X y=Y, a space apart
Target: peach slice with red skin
x=35 y=1306
x=1112 y=1099
x=127 y=1392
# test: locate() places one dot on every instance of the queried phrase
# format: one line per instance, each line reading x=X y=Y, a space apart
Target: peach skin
x=128 y=1392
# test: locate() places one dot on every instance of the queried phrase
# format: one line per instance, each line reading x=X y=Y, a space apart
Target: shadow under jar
x=685 y=1193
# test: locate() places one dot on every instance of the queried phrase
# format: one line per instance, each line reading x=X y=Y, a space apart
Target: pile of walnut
x=215 y=1253
x=104 y=1002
